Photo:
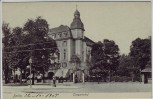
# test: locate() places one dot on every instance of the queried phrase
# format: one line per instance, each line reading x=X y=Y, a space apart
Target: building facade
x=72 y=41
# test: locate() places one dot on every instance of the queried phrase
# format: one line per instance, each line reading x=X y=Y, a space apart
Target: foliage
x=125 y=65
x=37 y=31
x=112 y=54
x=140 y=51
x=121 y=78
x=29 y=41
x=105 y=57
x=6 y=30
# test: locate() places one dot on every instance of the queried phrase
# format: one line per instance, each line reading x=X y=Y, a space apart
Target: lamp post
x=43 y=57
x=108 y=61
x=30 y=61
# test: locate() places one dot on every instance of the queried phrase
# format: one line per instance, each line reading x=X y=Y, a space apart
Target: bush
x=121 y=78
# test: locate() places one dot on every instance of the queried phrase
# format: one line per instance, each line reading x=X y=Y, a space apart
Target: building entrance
x=50 y=75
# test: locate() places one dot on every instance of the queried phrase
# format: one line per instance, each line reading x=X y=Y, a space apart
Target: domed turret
x=76 y=13
x=77 y=23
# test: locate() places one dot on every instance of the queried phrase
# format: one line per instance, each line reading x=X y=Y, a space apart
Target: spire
x=77 y=23
x=76 y=7
x=77 y=13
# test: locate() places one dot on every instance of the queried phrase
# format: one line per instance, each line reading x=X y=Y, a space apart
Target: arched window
x=64 y=65
x=58 y=56
x=54 y=36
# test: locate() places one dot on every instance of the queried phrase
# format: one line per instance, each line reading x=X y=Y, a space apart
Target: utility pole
x=30 y=61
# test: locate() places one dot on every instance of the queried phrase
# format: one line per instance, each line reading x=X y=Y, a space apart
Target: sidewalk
x=44 y=85
x=69 y=87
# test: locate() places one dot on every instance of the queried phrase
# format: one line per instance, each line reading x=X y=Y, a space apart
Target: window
x=65 y=34
x=59 y=66
x=64 y=54
x=64 y=43
x=60 y=35
x=54 y=36
x=64 y=65
x=82 y=54
x=58 y=56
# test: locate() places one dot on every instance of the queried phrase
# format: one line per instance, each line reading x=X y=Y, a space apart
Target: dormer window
x=65 y=34
x=54 y=36
x=60 y=35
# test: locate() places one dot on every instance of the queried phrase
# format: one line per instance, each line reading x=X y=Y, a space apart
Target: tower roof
x=76 y=12
x=77 y=23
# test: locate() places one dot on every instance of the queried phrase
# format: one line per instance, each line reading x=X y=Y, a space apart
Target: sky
x=122 y=22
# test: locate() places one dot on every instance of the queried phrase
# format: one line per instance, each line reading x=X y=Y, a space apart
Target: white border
x=72 y=0
x=1 y=96
x=1 y=83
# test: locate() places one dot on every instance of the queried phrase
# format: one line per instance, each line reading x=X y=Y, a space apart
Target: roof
x=77 y=23
x=75 y=58
x=88 y=41
x=62 y=73
x=61 y=28
x=76 y=12
x=146 y=70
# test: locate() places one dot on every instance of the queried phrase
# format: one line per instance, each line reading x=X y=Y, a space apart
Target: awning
x=146 y=70
x=62 y=73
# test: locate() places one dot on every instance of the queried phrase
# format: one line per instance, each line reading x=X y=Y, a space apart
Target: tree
x=112 y=56
x=6 y=30
x=12 y=59
x=126 y=67
x=16 y=56
x=37 y=31
x=140 y=51
x=98 y=56
x=20 y=56
x=124 y=64
x=30 y=41
x=105 y=56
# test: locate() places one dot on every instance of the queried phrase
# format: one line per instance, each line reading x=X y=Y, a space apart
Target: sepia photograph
x=76 y=50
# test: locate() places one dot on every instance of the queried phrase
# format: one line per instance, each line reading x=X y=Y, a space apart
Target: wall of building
x=84 y=50
x=79 y=49
x=77 y=33
x=72 y=46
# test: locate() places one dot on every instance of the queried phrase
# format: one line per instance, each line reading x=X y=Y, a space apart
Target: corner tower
x=77 y=30
x=77 y=23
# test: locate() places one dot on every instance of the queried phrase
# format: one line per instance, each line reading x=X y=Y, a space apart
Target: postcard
x=85 y=50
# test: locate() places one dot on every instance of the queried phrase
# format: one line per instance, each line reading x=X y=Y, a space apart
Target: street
x=88 y=87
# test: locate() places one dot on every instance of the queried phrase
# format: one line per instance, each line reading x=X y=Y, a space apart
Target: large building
x=72 y=43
